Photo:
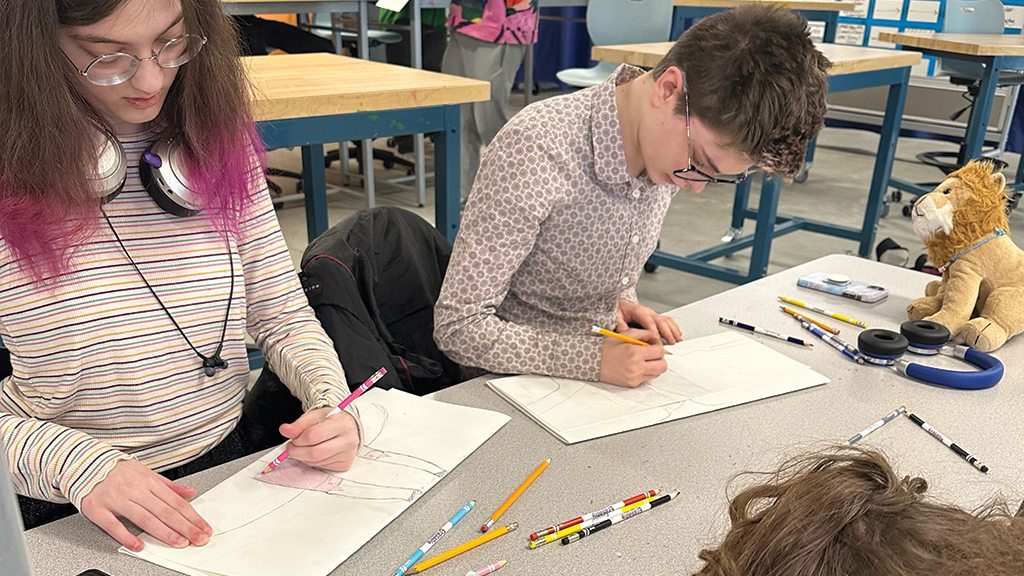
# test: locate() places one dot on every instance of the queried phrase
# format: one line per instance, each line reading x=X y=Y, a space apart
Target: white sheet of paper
x=704 y=374
x=260 y=528
x=393 y=5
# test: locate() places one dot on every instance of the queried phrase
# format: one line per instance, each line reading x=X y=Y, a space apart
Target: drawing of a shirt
x=497 y=21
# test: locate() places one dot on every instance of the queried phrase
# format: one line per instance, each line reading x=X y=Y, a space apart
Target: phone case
x=843 y=286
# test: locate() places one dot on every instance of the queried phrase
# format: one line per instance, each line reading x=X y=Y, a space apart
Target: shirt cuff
x=87 y=475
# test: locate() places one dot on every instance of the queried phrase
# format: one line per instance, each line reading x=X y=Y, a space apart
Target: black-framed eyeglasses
x=118 y=67
x=692 y=174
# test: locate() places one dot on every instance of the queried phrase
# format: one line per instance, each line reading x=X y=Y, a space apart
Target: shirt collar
x=606 y=134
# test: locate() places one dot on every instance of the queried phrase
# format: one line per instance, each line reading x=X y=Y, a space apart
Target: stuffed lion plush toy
x=965 y=228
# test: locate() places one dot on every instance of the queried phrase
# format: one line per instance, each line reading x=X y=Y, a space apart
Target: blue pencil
x=401 y=570
x=764 y=331
x=847 y=350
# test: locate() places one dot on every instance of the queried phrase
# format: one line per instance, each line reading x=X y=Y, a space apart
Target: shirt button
x=634 y=239
x=636 y=193
x=625 y=280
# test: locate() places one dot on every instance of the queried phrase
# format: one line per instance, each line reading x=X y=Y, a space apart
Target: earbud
x=212 y=364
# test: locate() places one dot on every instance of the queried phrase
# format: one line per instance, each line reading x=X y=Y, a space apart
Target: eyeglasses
x=117 y=67
x=692 y=174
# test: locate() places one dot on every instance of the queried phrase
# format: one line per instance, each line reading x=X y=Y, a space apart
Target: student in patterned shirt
x=126 y=324
x=571 y=194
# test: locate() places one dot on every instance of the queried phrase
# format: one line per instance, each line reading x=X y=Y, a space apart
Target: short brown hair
x=754 y=76
x=845 y=512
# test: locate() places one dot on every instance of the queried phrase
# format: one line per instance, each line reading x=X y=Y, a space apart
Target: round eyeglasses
x=117 y=67
x=692 y=174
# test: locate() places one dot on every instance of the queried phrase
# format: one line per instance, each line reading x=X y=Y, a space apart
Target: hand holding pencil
x=628 y=361
x=331 y=449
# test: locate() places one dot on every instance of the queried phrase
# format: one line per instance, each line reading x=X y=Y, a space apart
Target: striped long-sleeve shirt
x=100 y=373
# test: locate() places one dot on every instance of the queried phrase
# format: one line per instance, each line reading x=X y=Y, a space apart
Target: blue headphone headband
x=885 y=347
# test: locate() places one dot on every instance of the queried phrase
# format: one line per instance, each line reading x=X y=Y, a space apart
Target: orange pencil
x=821 y=325
x=515 y=495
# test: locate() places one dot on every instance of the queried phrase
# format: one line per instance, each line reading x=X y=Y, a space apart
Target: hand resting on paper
x=152 y=502
x=331 y=444
x=629 y=365
x=631 y=312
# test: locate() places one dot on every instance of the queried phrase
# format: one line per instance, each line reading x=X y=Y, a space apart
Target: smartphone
x=842 y=285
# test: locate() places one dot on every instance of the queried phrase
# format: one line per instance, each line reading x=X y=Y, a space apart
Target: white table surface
x=697 y=455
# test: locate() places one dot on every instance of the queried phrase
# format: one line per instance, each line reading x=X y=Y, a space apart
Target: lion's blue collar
x=999 y=232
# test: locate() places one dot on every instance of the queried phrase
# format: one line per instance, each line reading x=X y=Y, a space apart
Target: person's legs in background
x=495 y=63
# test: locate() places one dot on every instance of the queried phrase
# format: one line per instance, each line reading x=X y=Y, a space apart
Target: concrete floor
x=836 y=191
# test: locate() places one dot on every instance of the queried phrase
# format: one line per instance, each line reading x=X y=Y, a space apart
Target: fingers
x=143 y=517
x=668 y=328
x=329 y=444
x=184 y=508
x=649 y=336
x=111 y=525
x=295 y=429
x=181 y=490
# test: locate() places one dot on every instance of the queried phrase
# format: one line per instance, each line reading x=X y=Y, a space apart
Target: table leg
x=528 y=74
x=831 y=26
x=364 y=53
x=314 y=186
x=416 y=58
x=767 y=210
x=977 y=125
x=739 y=202
x=883 y=161
x=446 y=174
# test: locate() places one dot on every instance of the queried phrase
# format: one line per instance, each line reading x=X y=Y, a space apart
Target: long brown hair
x=47 y=145
x=845 y=512
x=754 y=76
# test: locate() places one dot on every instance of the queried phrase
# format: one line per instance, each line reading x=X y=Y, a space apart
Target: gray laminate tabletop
x=697 y=455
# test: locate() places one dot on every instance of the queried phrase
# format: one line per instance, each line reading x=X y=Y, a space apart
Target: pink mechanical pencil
x=344 y=404
x=487 y=569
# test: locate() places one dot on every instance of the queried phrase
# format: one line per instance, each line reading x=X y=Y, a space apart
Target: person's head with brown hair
x=753 y=79
x=51 y=106
x=846 y=512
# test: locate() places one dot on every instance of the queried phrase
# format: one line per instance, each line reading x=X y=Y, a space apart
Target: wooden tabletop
x=309 y=85
x=970 y=44
x=830 y=5
x=845 y=59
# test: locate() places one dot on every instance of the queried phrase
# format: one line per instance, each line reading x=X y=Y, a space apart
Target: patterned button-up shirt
x=556 y=231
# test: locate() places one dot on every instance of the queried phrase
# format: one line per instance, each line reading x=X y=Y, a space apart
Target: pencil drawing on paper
x=263 y=522
x=703 y=374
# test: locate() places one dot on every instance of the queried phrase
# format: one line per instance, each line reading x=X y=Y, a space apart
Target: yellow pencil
x=465 y=547
x=821 y=325
x=825 y=312
x=515 y=495
x=617 y=336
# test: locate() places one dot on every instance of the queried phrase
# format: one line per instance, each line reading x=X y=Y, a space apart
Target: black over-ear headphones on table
x=162 y=172
x=925 y=338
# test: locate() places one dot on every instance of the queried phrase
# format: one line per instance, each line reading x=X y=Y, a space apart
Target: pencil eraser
x=533 y=536
x=483 y=528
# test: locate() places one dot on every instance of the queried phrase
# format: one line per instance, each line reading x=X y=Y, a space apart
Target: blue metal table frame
x=312 y=132
x=976 y=124
x=771 y=224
